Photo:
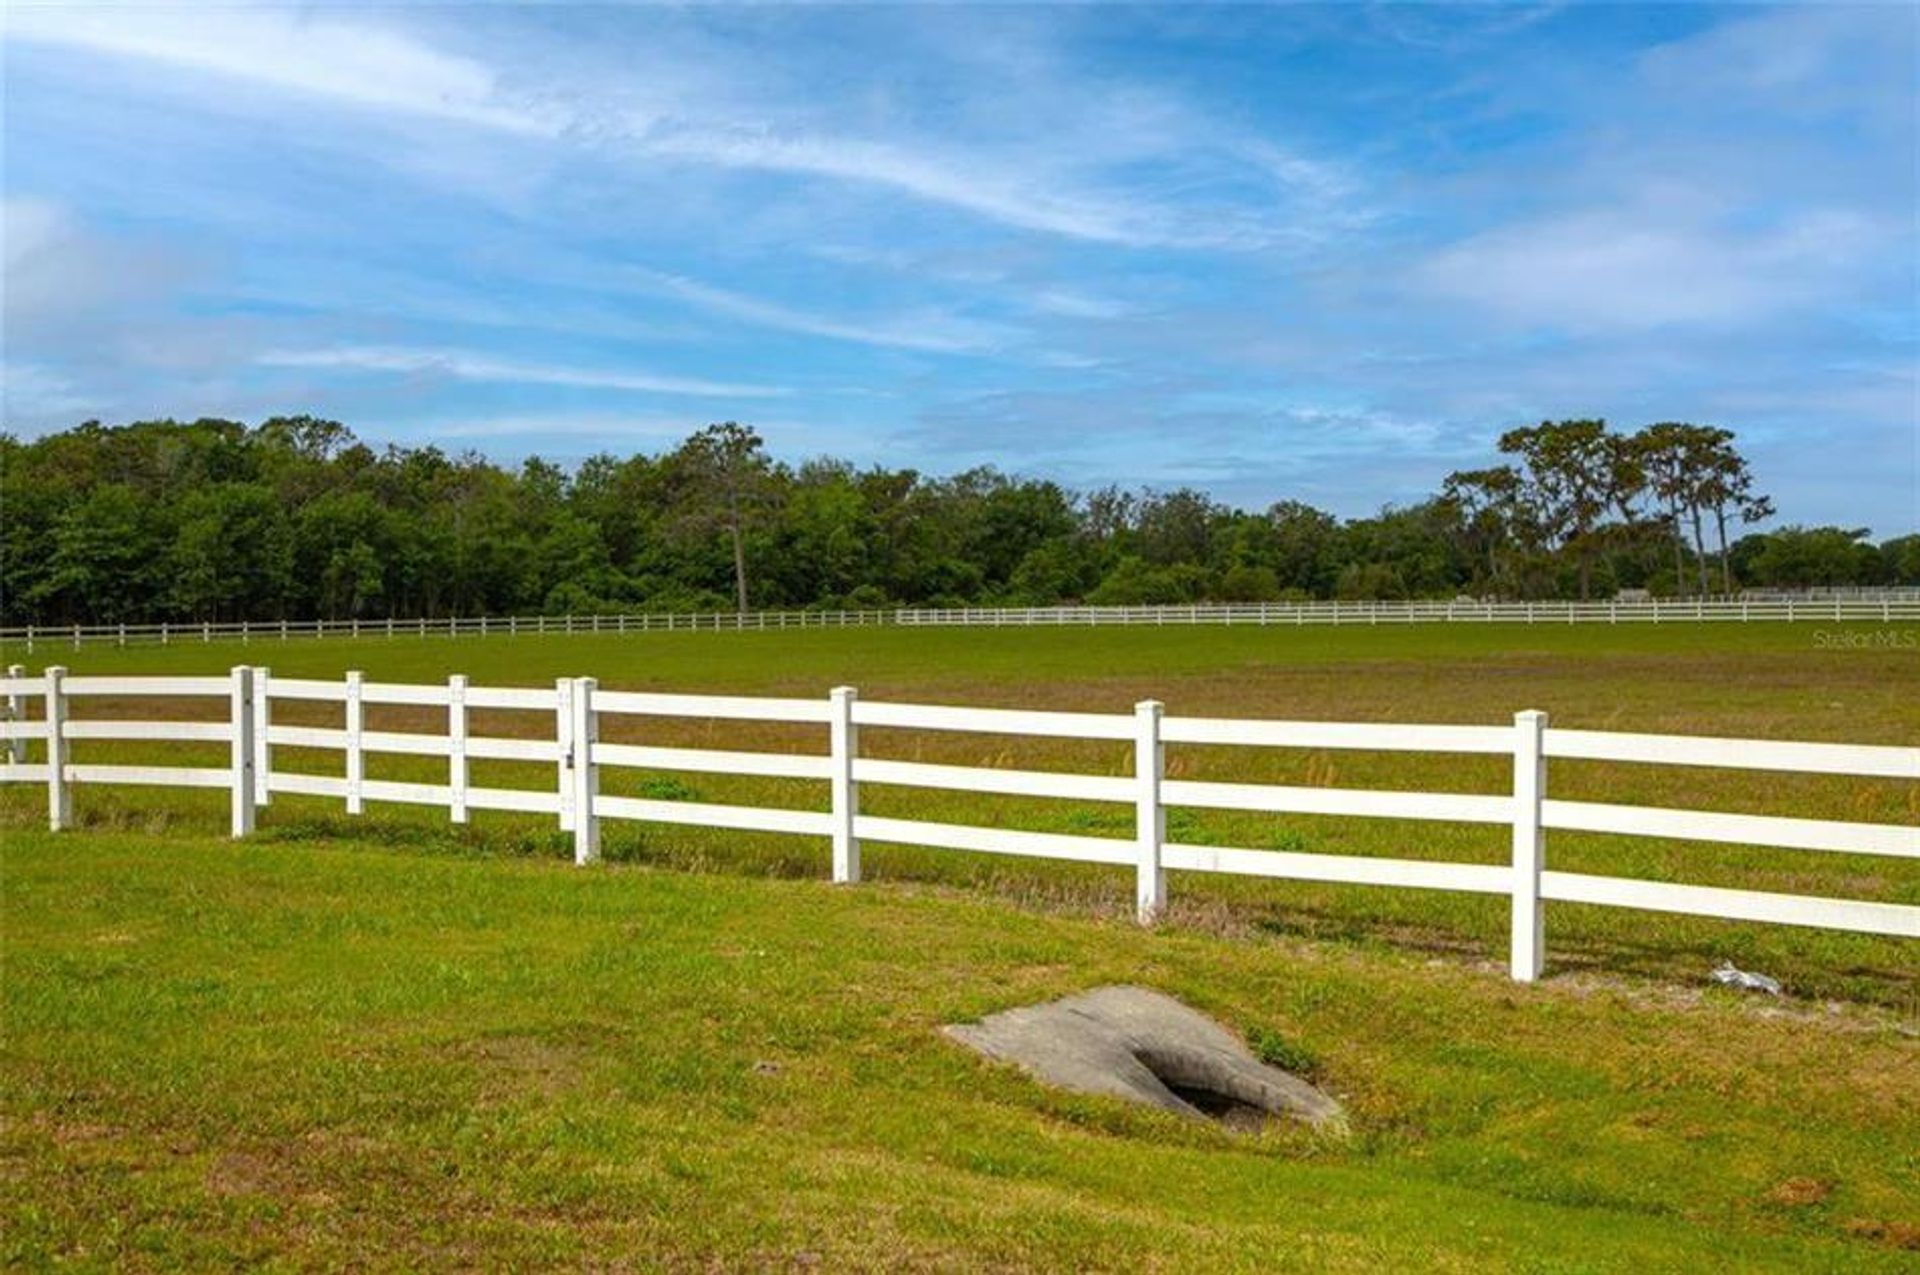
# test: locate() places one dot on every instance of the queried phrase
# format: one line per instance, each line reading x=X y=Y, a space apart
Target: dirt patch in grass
x=1799 y=1193
x=243 y=1173
x=65 y=1133
x=1899 y=1235
x=512 y=1066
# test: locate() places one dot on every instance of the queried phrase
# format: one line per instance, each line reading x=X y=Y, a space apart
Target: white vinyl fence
x=39 y=710
x=1882 y=608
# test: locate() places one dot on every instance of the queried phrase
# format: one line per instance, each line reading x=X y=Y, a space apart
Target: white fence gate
x=575 y=707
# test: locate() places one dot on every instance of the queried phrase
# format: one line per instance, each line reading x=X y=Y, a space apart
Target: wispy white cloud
x=1736 y=184
x=1002 y=282
x=1027 y=199
x=1853 y=57
x=465 y=366
x=1071 y=303
x=1456 y=29
x=1652 y=266
x=355 y=63
x=30 y=391
x=32 y=227
x=1052 y=190
x=55 y=268
x=929 y=331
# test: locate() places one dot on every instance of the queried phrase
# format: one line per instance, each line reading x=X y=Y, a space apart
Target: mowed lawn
x=320 y=1054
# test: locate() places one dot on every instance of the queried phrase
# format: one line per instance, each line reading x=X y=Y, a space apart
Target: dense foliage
x=296 y=518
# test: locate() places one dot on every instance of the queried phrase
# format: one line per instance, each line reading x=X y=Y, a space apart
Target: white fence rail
x=1882 y=608
x=38 y=712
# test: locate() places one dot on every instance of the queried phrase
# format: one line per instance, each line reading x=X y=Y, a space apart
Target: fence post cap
x=1530 y=715
x=1149 y=708
x=844 y=692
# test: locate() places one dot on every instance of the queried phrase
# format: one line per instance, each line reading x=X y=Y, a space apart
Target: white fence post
x=356 y=758
x=241 y=715
x=1149 y=764
x=844 y=744
x=1528 y=950
x=563 y=736
x=586 y=774
x=59 y=799
x=262 y=724
x=16 y=712
x=457 y=748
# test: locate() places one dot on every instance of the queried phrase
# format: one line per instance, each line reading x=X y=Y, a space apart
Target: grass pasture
x=451 y=1046
x=1760 y=681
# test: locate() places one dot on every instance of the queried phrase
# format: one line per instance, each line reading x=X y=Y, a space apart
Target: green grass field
x=1765 y=681
x=450 y=1046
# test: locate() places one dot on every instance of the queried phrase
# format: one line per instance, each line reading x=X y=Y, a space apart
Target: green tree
x=1900 y=561
x=729 y=468
x=231 y=556
x=1305 y=547
x=103 y=559
x=1493 y=524
x=1249 y=584
x=1725 y=485
x=1133 y=581
x=1805 y=557
x=1569 y=483
x=298 y=519
x=1691 y=469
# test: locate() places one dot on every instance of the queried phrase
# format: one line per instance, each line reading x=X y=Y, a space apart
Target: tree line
x=295 y=518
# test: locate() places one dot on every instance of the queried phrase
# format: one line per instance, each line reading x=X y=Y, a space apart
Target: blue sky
x=1321 y=253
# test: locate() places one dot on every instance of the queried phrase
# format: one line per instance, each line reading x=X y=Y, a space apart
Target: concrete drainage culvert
x=1146 y=1047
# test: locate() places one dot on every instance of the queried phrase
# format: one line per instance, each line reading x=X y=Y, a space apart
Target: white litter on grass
x=1740 y=978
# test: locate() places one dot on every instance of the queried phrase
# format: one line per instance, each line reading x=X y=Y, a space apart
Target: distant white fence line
x=1882 y=608
x=572 y=709
x=1459 y=611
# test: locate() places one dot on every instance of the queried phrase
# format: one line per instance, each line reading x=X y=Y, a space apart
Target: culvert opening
x=1223 y=1109
x=1137 y=1044
x=1228 y=1087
